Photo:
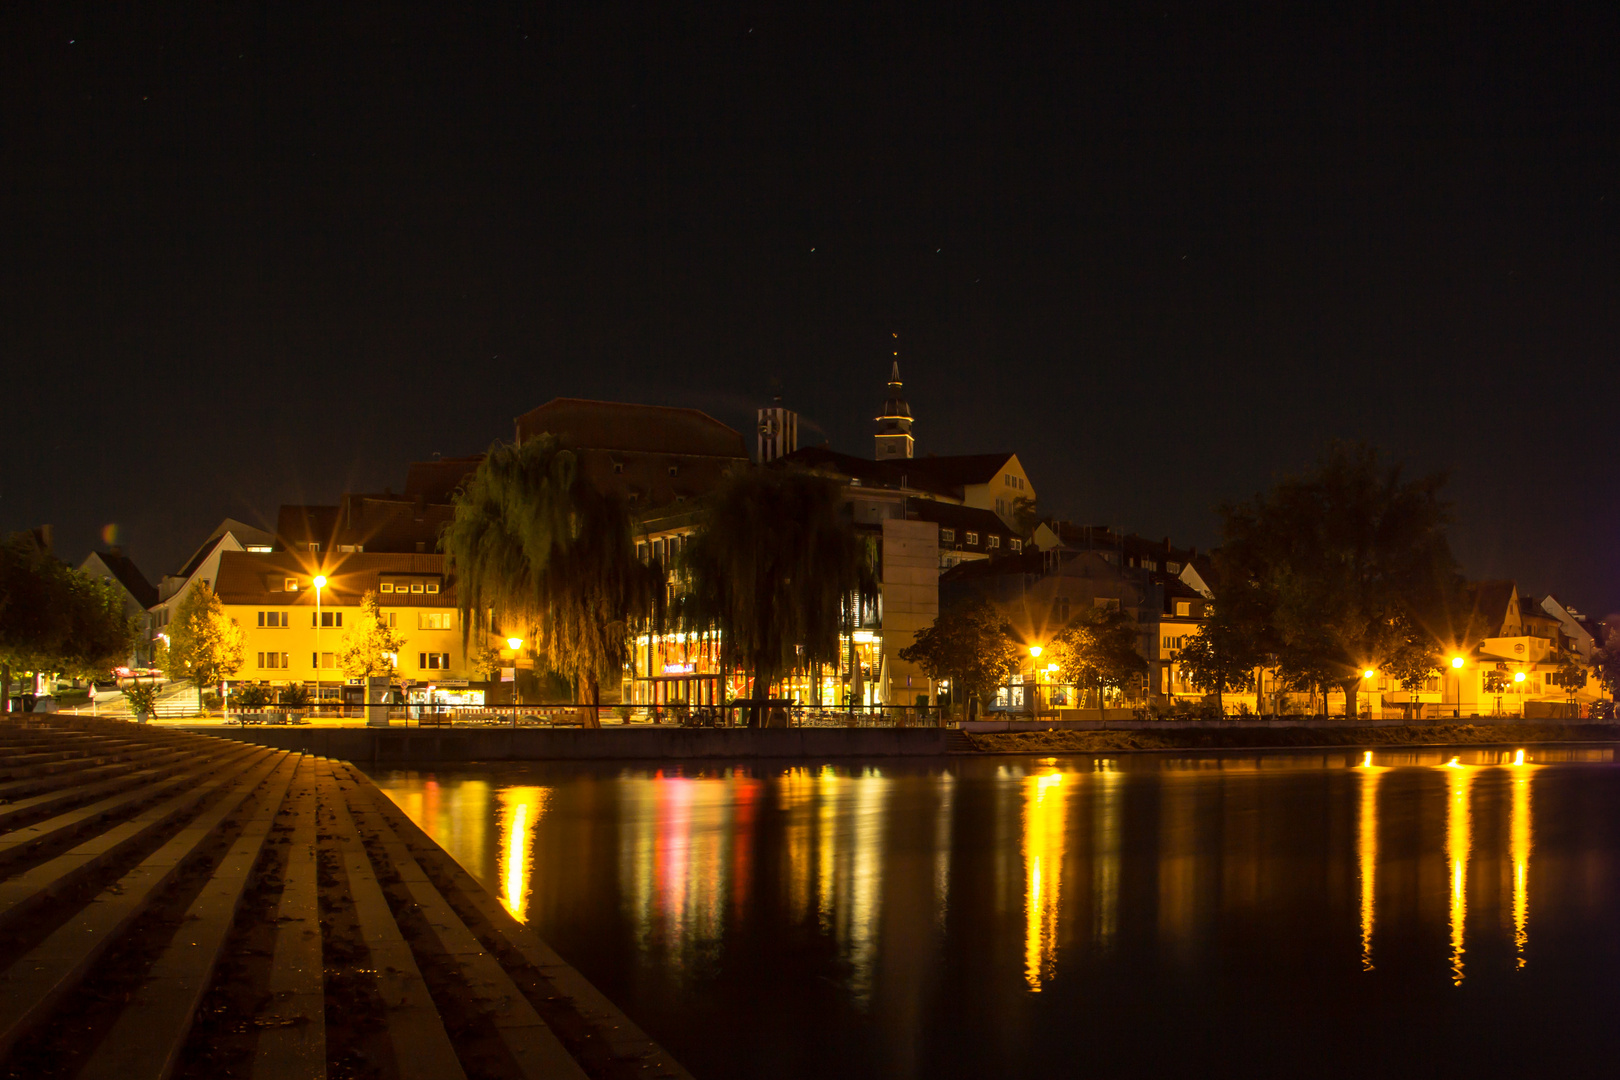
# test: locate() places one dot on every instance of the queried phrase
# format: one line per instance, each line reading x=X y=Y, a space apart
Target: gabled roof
x=961 y=470
x=627 y=427
x=123 y=568
x=437 y=480
x=1490 y=605
x=961 y=518
x=253 y=578
x=939 y=475
x=244 y=533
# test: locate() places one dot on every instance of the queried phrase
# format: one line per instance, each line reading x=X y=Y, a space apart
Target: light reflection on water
x=902 y=906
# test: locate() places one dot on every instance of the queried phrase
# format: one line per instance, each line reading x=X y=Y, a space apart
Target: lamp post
x=1456 y=667
x=1035 y=670
x=515 y=643
x=320 y=583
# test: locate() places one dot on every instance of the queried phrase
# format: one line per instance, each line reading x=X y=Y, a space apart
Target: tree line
x=55 y=620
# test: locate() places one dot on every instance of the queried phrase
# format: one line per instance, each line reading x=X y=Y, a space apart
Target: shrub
x=209 y=699
x=252 y=697
x=142 y=699
x=295 y=696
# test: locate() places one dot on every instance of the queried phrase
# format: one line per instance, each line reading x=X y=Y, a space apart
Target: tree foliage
x=54 y=618
x=772 y=571
x=535 y=543
x=204 y=644
x=1220 y=659
x=1098 y=649
x=1330 y=571
x=371 y=647
x=972 y=646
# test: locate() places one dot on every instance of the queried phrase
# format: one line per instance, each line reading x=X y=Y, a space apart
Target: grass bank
x=1085 y=742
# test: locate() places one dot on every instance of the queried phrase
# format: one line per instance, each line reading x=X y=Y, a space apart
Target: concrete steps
x=183 y=905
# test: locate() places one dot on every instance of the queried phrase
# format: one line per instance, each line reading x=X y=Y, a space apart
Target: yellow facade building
x=295 y=632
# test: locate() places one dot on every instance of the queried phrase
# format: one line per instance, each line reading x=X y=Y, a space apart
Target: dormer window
x=618 y=467
x=387 y=586
x=947 y=536
x=992 y=541
x=433 y=586
x=1016 y=545
x=972 y=538
x=674 y=470
x=290 y=585
x=1173 y=567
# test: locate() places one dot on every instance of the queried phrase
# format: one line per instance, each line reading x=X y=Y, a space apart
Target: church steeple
x=894 y=426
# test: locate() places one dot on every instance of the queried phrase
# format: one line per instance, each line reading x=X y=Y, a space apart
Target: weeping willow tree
x=770 y=574
x=537 y=547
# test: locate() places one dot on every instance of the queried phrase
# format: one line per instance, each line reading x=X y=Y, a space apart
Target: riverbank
x=1245 y=738
x=176 y=904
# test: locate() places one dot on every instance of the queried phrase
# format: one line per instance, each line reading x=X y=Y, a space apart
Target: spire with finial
x=894 y=425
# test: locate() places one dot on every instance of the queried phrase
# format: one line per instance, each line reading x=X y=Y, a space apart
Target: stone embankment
x=177 y=904
x=1236 y=736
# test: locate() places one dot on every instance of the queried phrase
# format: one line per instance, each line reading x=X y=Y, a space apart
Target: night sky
x=251 y=255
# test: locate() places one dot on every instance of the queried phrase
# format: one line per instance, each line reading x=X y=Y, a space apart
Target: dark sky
x=251 y=254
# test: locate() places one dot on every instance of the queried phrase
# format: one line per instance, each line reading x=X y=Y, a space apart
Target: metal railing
x=573 y=715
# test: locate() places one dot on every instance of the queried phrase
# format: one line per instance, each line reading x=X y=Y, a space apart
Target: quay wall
x=391 y=745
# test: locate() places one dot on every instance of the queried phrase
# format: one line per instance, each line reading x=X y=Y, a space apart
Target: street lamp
x=319 y=583
x=515 y=643
x=1369 y=673
x=1457 y=662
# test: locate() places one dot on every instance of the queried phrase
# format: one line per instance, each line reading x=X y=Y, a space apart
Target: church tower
x=894 y=426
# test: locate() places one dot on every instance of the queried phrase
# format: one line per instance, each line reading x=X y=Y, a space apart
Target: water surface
x=1339 y=914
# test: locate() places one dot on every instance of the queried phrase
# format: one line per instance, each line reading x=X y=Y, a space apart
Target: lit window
x=1016 y=545
x=314 y=547
x=972 y=538
x=1173 y=567
x=992 y=541
x=290 y=585
x=947 y=536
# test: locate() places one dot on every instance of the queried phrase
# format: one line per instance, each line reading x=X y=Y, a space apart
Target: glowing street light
x=1457 y=662
x=319 y=582
x=1369 y=673
x=1035 y=651
x=1518 y=676
x=515 y=643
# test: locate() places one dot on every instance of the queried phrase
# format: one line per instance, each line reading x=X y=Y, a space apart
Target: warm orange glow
x=1035 y=651
x=1043 y=864
x=1518 y=676
x=320 y=581
x=1367 y=674
x=1519 y=849
x=514 y=643
x=1456 y=661
x=1458 y=842
x=1367 y=856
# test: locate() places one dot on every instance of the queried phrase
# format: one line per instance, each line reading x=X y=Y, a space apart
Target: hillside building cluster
x=943 y=530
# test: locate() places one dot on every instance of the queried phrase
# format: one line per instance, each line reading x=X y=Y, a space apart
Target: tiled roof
x=622 y=426
x=129 y=575
x=436 y=481
x=940 y=475
x=958 y=517
x=253 y=578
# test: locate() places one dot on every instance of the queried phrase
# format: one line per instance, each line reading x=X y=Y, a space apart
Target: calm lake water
x=1332 y=914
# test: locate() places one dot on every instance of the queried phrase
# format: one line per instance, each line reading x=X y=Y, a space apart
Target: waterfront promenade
x=174 y=903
